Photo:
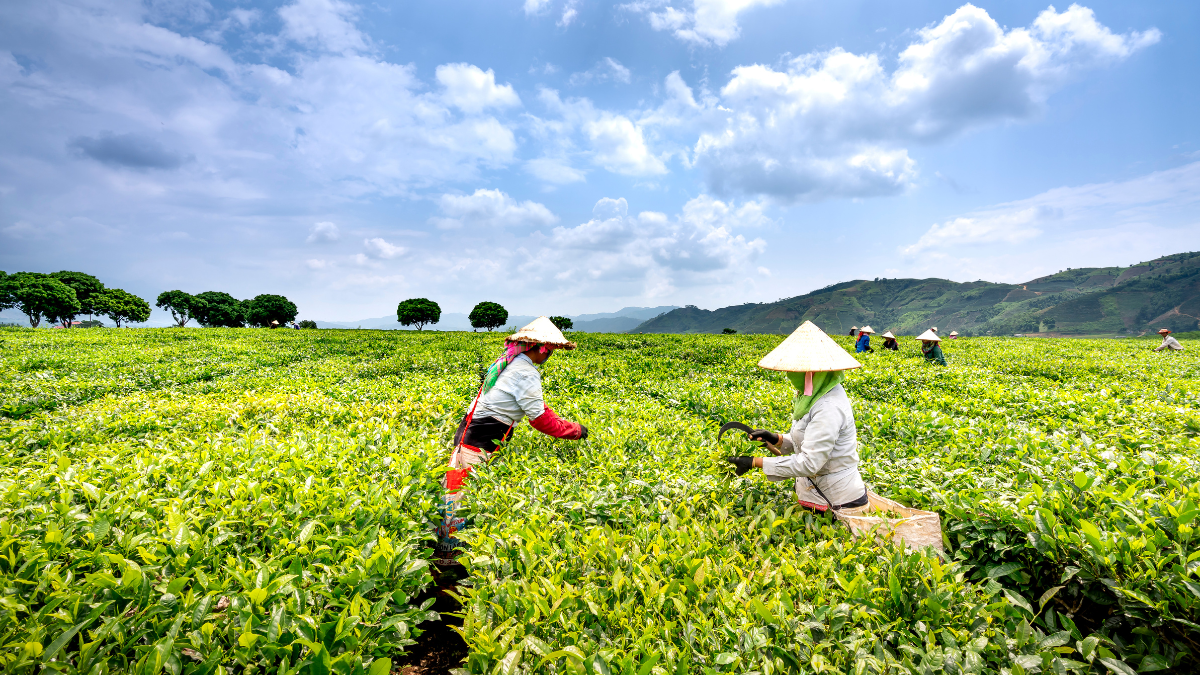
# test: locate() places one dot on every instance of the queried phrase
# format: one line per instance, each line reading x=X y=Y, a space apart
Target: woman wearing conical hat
x=820 y=451
x=889 y=341
x=863 y=343
x=931 y=346
x=511 y=391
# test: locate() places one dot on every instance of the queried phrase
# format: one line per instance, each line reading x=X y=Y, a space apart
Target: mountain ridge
x=1163 y=292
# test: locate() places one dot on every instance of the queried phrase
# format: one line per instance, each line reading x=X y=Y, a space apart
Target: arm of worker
x=816 y=442
x=1161 y=347
x=541 y=417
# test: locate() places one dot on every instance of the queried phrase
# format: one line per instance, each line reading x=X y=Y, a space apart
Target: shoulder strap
x=814 y=484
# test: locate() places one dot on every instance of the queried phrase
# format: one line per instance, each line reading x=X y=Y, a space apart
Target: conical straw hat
x=808 y=350
x=866 y=329
x=888 y=335
x=929 y=335
x=542 y=331
x=953 y=333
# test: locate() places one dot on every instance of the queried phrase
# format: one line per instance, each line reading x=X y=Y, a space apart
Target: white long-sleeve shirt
x=1169 y=343
x=823 y=446
x=516 y=395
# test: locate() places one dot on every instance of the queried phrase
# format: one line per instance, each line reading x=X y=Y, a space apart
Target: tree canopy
x=86 y=288
x=562 y=322
x=418 y=312
x=121 y=306
x=40 y=295
x=488 y=315
x=221 y=310
x=183 y=306
x=265 y=308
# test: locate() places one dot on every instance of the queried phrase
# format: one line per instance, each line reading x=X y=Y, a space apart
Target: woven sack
x=917 y=529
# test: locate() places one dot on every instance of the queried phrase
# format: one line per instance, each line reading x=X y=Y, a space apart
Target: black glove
x=741 y=464
x=583 y=434
x=764 y=436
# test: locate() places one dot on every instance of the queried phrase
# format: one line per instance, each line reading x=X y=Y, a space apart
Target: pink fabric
x=808 y=384
x=552 y=425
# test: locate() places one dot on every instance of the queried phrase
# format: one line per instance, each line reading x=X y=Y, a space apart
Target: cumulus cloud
x=835 y=123
x=620 y=146
x=696 y=246
x=381 y=248
x=473 y=90
x=705 y=23
x=323 y=232
x=607 y=69
x=554 y=170
x=491 y=208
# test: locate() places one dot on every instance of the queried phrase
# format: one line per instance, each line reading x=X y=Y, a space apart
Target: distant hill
x=1160 y=293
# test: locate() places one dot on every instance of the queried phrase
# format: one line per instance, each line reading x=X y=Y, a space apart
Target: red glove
x=552 y=425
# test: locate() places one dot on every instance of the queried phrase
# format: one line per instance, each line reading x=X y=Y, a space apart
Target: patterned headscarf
x=511 y=351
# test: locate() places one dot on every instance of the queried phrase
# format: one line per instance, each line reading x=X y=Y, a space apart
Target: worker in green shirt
x=931 y=347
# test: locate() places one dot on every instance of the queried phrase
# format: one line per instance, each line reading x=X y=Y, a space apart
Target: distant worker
x=274 y=323
x=1168 y=341
x=853 y=331
x=889 y=341
x=820 y=449
x=295 y=325
x=934 y=329
x=931 y=347
x=953 y=335
x=863 y=344
x=511 y=391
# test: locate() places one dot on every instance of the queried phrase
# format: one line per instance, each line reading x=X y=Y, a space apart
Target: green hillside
x=1116 y=300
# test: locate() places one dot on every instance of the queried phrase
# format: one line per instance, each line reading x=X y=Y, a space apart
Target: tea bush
x=235 y=500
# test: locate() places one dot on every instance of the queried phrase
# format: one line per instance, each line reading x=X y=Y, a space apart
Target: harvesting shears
x=761 y=435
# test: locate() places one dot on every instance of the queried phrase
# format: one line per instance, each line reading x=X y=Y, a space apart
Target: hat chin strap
x=808 y=383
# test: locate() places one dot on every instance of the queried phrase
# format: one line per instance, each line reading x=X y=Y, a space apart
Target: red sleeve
x=552 y=425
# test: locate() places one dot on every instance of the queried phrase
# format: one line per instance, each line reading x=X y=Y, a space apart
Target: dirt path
x=439 y=649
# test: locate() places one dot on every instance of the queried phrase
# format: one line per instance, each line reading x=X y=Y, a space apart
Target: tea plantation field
x=253 y=501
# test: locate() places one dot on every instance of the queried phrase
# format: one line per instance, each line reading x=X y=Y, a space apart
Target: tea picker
x=511 y=391
x=820 y=450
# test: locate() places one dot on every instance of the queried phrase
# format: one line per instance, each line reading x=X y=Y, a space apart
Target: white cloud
x=380 y=248
x=1012 y=227
x=834 y=124
x=708 y=22
x=554 y=170
x=325 y=24
x=491 y=208
x=695 y=247
x=620 y=147
x=570 y=10
x=323 y=232
x=607 y=69
x=316 y=264
x=473 y=90
x=1100 y=224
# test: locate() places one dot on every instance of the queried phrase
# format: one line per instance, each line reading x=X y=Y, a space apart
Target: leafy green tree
x=728 y=331
x=183 y=306
x=562 y=322
x=418 y=312
x=263 y=309
x=6 y=297
x=121 y=306
x=221 y=310
x=309 y=324
x=86 y=288
x=40 y=295
x=489 y=315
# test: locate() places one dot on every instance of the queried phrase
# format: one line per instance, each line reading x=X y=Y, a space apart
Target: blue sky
x=566 y=156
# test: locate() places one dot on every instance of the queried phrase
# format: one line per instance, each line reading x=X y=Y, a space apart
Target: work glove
x=741 y=464
x=583 y=433
x=764 y=436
